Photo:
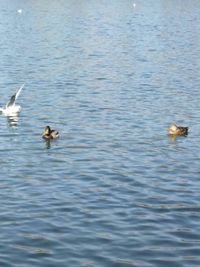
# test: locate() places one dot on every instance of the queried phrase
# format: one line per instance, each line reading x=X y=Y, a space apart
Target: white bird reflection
x=13 y=120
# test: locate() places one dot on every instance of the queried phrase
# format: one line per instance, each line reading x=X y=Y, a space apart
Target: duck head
x=173 y=129
x=47 y=131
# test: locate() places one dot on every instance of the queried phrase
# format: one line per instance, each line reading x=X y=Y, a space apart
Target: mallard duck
x=177 y=130
x=11 y=109
x=50 y=134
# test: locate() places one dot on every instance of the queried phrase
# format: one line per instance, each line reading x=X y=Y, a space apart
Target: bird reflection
x=173 y=138
x=13 y=120
x=48 y=144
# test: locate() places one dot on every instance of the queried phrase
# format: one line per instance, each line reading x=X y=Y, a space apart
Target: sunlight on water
x=114 y=189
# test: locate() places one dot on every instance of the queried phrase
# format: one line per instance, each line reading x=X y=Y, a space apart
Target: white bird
x=11 y=109
x=19 y=11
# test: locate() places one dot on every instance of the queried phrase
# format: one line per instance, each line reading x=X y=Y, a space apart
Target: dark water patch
x=114 y=189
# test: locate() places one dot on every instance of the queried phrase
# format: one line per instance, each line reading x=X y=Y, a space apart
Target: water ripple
x=114 y=189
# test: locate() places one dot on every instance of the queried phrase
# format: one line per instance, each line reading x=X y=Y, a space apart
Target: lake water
x=114 y=190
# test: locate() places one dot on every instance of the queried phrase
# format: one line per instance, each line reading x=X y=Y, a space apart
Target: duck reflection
x=48 y=144
x=173 y=138
x=13 y=120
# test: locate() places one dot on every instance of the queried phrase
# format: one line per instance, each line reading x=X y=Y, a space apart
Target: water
x=111 y=76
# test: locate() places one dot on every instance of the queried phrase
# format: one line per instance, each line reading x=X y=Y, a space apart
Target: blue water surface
x=111 y=76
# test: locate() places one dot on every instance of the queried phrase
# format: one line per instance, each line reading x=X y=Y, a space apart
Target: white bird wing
x=13 y=98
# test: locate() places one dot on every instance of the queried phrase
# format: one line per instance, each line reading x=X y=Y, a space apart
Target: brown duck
x=177 y=130
x=50 y=134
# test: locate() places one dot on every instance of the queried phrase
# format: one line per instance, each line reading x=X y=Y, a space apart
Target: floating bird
x=50 y=134
x=11 y=109
x=19 y=11
x=177 y=130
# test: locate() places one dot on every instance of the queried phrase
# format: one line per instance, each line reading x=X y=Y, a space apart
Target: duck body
x=49 y=133
x=177 y=130
x=11 y=109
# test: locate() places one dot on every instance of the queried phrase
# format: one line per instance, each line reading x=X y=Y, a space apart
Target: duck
x=177 y=130
x=11 y=109
x=50 y=133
